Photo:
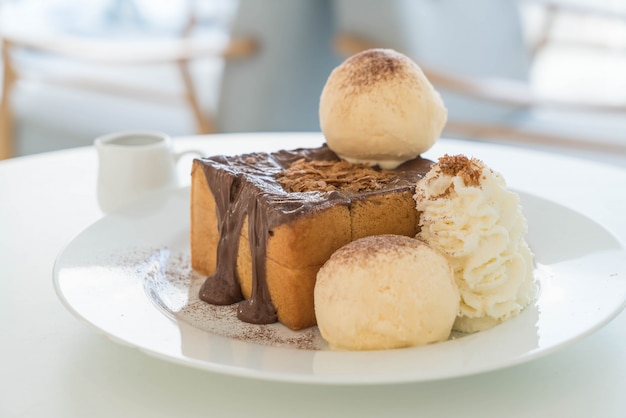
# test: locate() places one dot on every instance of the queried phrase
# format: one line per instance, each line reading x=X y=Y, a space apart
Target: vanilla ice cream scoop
x=470 y=216
x=385 y=291
x=379 y=108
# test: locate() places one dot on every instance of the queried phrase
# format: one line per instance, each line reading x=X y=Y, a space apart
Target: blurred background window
x=568 y=50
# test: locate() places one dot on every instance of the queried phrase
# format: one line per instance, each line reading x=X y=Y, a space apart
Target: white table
x=52 y=365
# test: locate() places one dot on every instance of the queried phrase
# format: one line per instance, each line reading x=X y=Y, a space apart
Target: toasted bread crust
x=297 y=249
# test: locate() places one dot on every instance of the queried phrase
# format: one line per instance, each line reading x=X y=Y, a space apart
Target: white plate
x=128 y=276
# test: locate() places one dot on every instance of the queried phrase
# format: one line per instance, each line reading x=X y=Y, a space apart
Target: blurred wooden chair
x=553 y=122
x=607 y=14
x=179 y=52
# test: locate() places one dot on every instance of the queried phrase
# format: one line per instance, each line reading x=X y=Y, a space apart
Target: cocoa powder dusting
x=373 y=66
x=173 y=286
x=366 y=248
x=327 y=176
x=470 y=170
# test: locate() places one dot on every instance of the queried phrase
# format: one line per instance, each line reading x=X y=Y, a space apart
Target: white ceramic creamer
x=132 y=165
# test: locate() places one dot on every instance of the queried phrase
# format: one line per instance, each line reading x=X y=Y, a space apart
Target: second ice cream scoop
x=385 y=291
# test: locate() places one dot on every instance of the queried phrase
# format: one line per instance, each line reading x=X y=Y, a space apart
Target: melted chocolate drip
x=222 y=287
x=246 y=185
x=259 y=308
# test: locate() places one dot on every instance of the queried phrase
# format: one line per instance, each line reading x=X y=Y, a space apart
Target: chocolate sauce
x=222 y=288
x=246 y=186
